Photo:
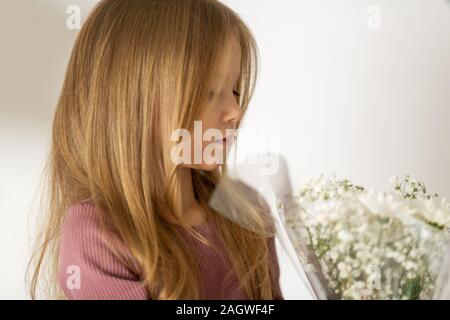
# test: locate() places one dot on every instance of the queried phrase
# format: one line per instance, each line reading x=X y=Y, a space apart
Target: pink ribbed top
x=102 y=275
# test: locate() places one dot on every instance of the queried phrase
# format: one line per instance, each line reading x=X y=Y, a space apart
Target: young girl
x=125 y=221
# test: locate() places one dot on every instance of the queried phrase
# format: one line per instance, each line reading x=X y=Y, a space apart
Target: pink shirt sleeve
x=87 y=268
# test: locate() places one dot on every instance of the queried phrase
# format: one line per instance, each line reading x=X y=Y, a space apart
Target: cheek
x=206 y=124
x=211 y=118
x=213 y=121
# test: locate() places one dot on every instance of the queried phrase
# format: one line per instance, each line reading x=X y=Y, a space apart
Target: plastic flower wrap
x=343 y=241
x=364 y=244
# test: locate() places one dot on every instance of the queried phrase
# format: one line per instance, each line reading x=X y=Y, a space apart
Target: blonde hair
x=138 y=70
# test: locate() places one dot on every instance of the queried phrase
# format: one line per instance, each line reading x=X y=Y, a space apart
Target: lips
x=230 y=137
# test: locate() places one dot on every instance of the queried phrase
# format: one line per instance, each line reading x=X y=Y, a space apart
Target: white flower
x=383 y=204
x=376 y=237
x=344 y=235
x=434 y=210
x=341 y=266
x=356 y=273
x=334 y=255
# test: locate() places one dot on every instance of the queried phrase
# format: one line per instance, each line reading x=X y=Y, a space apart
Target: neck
x=187 y=191
x=190 y=208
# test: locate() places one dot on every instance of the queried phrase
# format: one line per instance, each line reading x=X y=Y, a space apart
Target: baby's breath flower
x=389 y=239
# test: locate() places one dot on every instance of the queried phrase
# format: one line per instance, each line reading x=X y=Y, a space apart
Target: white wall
x=365 y=103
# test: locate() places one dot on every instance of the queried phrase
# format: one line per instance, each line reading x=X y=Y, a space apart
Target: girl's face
x=220 y=118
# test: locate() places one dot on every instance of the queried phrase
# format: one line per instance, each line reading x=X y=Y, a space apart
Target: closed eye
x=212 y=94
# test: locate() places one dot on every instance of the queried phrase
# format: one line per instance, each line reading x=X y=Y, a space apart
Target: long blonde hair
x=138 y=70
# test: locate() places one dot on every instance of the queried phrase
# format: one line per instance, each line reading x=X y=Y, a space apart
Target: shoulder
x=87 y=266
x=82 y=233
x=82 y=221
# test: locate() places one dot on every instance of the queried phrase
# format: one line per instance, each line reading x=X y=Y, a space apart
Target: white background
x=366 y=103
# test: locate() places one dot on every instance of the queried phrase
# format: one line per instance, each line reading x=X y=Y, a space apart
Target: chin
x=204 y=166
x=209 y=167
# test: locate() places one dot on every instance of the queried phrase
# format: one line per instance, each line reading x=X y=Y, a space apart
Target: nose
x=233 y=112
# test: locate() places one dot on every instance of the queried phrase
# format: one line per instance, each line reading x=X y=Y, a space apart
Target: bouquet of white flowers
x=344 y=241
x=364 y=244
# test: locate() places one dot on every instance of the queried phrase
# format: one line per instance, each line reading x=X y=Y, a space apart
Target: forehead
x=229 y=66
